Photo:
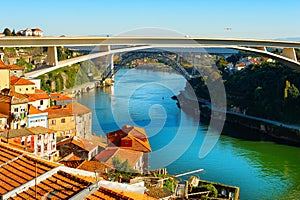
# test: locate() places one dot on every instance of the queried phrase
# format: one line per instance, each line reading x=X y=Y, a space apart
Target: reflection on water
x=262 y=170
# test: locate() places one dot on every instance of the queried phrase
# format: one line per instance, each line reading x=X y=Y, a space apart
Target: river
x=262 y=170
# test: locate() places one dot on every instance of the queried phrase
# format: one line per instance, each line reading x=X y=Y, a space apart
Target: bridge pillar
x=52 y=58
x=289 y=53
x=261 y=48
x=112 y=63
x=105 y=60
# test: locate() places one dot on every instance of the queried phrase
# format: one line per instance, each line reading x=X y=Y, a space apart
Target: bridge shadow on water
x=241 y=132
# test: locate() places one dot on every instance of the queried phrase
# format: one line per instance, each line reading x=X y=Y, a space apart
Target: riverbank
x=265 y=128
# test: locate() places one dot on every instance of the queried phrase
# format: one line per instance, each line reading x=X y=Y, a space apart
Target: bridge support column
x=261 y=48
x=52 y=58
x=105 y=60
x=112 y=67
x=289 y=53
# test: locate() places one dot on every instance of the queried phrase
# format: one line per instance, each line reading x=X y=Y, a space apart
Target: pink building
x=41 y=140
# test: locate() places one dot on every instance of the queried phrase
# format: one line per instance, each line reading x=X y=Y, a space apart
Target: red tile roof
x=3 y=65
x=136 y=135
x=60 y=97
x=33 y=110
x=59 y=186
x=38 y=95
x=20 y=81
x=17 y=168
x=107 y=194
x=108 y=154
x=58 y=112
x=16 y=67
x=85 y=144
x=91 y=165
x=78 y=109
x=103 y=156
x=72 y=163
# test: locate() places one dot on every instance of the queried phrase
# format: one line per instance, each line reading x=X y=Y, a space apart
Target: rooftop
x=17 y=168
x=33 y=110
x=60 y=97
x=20 y=81
x=13 y=133
x=58 y=112
x=85 y=144
x=124 y=154
x=59 y=186
x=38 y=95
x=137 y=135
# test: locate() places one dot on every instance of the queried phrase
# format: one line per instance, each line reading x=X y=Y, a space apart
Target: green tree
x=116 y=162
x=13 y=32
x=7 y=32
x=125 y=167
x=293 y=92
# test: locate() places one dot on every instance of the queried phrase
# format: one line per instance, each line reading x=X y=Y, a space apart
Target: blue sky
x=206 y=18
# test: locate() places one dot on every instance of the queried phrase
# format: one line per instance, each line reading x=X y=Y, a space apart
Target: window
x=26 y=89
x=41 y=102
x=53 y=121
x=23 y=142
x=32 y=88
x=63 y=120
x=16 y=110
x=20 y=89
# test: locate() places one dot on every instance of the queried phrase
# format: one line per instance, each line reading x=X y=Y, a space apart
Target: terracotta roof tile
x=124 y=154
x=16 y=67
x=3 y=65
x=138 y=136
x=59 y=186
x=21 y=81
x=103 y=156
x=33 y=110
x=60 y=97
x=38 y=95
x=78 y=109
x=13 y=133
x=107 y=194
x=17 y=168
x=72 y=163
x=85 y=144
x=58 y=112
x=91 y=165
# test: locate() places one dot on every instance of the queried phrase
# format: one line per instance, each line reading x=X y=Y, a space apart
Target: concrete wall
x=84 y=125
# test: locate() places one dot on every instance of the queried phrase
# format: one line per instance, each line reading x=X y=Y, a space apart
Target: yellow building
x=22 y=85
x=62 y=120
x=4 y=76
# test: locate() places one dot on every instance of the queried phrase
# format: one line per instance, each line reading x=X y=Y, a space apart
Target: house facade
x=5 y=78
x=15 y=105
x=22 y=85
x=80 y=147
x=41 y=140
x=40 y=99
x=36 y=117
x=17 y=71
x=83 y=119
x=62 y=120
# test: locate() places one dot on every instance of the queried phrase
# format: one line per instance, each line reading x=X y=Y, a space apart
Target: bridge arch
x=160 y=55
